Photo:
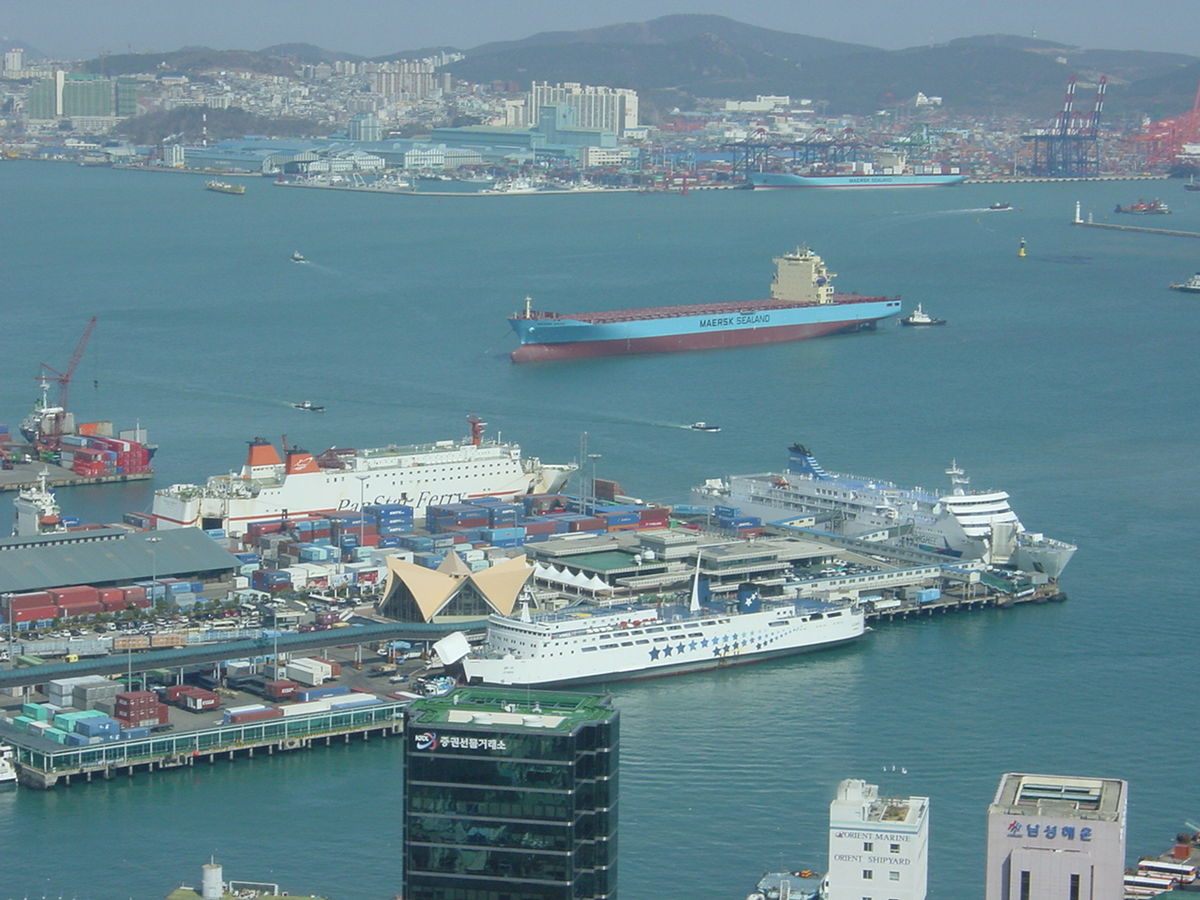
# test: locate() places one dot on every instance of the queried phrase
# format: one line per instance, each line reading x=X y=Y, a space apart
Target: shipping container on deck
x=257 y=715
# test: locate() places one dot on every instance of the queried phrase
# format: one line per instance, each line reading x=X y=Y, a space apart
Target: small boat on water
x=1144 y=208
x=1191 y=184
x=224 y=187
x=802 y=885
x=297 y=256
x=1191 y=286
x=704 y=426
x=8 y=769
x=996 y=207
x=308 y=406
x=919 y=317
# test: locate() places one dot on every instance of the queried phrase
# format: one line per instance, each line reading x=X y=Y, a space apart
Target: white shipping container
x=315 y=664
x=306 y=677
x=241 y=709
x=297 y=709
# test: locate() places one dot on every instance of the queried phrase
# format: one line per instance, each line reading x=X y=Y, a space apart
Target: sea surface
x=1067 y=378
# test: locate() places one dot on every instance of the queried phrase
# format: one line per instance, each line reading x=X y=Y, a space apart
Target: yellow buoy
x=1021 y=249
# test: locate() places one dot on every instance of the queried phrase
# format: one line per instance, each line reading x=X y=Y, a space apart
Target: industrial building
x=102 y=557
x=878 y=847
x=1055 y=837
x=531 y=810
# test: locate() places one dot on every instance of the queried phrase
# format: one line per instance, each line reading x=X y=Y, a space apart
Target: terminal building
x=1054 y=837
x=511 y=794
x=878 y=847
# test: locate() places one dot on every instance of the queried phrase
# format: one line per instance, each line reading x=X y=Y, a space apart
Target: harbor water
x=1066 y=378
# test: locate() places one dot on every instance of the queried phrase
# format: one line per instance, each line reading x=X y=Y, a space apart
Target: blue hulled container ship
x=789 y=180
x=802 y=305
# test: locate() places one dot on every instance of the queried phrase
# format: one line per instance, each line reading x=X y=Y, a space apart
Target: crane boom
x=64 y=378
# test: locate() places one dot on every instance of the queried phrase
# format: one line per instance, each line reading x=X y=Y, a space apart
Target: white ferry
x=963 y=523
x=581 y=646
x=300 y=483
x=8 y=769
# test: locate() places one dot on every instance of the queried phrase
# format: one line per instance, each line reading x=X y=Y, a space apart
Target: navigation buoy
x=1021 y=249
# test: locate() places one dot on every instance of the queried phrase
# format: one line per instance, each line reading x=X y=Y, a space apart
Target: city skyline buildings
x=380 y=27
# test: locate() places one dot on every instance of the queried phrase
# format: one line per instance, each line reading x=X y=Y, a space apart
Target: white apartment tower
x=1054 y=837
x=878 y=847
x=14 y=59
x=612 y=109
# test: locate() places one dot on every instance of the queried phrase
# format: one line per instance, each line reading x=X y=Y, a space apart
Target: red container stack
x=281 y=690
x=198 y=700
x=139 y=709
x=255 y=715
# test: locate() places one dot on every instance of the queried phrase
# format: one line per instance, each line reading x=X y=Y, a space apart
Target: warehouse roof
x=107 y=556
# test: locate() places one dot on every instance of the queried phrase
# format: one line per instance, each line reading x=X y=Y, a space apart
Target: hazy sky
x=84 y=28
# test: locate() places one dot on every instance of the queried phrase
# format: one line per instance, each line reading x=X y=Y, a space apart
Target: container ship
x=802 y=305
x=961 y=523
x=790 y=180
x=577 y=646
x=299 y=483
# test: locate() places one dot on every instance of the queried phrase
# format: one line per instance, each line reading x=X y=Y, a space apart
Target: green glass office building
x=511 y=795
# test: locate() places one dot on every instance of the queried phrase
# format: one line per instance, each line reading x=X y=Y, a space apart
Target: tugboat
x=919 y=317
x=308 y=406
x=996 y=207
x=1191 y=286
x=704 y=426
x=1144 y=208
x=297 y=256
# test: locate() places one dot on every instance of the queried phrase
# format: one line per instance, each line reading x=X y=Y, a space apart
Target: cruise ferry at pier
x=802 y=305
x=963 y=523
x=299 y=483
x=582 y=645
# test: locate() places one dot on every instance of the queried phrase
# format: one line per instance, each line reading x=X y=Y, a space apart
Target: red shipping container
x=197 y=701
x=114 y=605
x=175 y=691
x=134 y=698
x=280 y=690
x=111 y=594
x=35 y=614
x=83 y=591
x=255 y=715
x=134 y=592
x=31 y=601
x=82 y=609
x=141 y=602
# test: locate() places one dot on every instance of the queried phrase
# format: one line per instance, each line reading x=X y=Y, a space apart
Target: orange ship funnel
x=262 y=453
x=300 y=461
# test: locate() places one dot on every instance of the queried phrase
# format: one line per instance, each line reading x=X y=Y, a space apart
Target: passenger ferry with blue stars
x=583 y=645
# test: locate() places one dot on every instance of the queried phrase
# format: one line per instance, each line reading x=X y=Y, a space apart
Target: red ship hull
x=681 y=342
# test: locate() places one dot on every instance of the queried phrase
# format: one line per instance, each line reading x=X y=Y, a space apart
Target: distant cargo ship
x=789 y=180
x=224 y=187
x=802 y=305
x=298 y=484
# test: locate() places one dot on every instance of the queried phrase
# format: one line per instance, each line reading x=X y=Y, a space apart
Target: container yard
x=93 y=727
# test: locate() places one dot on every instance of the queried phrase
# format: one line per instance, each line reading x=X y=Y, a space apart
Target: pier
x=43 y=764
x=1088 y=223
x=23 y=475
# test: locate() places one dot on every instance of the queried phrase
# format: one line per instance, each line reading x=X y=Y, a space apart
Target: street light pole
x=593 y=457
x=8 y=600
x=362 y=515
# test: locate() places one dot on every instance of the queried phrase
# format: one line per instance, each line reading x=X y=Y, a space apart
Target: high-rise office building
x=510 y=795
x=1054 y=837
x=878 y=846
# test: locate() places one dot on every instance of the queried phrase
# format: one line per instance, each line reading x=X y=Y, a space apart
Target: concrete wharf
x=44 y=764
x=1089 y=223
x=23 y=475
